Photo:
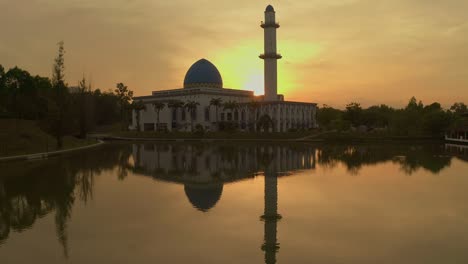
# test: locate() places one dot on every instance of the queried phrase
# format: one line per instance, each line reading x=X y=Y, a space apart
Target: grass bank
x=375 y=136
x=212 y=135
x=19 y=137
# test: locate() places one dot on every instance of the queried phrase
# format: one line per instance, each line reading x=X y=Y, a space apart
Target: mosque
x=204 y=102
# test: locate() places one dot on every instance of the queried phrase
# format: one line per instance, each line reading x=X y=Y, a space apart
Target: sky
x=334 y=51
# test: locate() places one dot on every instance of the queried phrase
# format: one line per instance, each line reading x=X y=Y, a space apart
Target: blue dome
x=203 y=74
x=203 y=197
x=270 y=8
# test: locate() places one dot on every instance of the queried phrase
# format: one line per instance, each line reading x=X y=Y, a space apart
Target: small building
x=203 y=102
x=459 y=133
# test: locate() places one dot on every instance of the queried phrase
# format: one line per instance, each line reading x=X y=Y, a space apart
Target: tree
x=58 y=118
x=174 y=105
x=459 y=108
x=3 y=92
x=412 y=105
x=125 y=97
x=230 y=105
x=191 y=106
x=138 y=106
x=84 y=107
x=254 y=106
x=265 y=122
x=326 y=115
x=158 y=106
x=353 y=113
x=216 y=102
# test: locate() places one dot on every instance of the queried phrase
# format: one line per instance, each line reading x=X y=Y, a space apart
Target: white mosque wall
x=286 y=115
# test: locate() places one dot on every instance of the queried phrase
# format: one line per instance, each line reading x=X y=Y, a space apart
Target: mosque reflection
x=204 y=169
x=31 y=190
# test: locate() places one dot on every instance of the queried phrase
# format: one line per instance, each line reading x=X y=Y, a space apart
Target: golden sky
x=334 y=51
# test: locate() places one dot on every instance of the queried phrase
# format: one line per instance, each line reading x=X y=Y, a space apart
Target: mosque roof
x=203 y=73
x=270 y=8
x=203 y=197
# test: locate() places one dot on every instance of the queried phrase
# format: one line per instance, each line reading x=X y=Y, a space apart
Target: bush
x=199 y=130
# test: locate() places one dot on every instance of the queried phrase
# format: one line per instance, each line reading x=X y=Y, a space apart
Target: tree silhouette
x=216 y=102
x=158 y=106
x=191 y=106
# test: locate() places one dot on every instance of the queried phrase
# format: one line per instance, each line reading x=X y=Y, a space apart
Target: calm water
x=235 y=203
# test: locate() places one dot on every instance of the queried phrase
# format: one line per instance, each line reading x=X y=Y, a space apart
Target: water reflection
x=32 y=190
x=203 y=169
x=431 y=157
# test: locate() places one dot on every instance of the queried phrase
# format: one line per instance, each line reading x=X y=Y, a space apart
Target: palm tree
x=232 y=106
x=138 y=106
x=191 y=106
x=254 y=106
x=158 y=106
x=174 y=105
x=216 y=102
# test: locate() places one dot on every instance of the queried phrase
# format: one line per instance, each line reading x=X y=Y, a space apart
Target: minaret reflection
x=205 y=169
x=270 y=217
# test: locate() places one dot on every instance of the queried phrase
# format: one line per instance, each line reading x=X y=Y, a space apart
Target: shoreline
x=45 y=155
x=311 y=139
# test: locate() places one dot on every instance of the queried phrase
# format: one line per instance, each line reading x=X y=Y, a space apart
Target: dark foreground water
x=235 y=203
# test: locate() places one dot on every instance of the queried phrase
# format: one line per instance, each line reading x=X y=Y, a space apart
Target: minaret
x=270 y=218
x=270 y=56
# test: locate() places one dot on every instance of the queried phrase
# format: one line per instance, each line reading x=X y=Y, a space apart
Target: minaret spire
x=270 y=218
x=270 y=56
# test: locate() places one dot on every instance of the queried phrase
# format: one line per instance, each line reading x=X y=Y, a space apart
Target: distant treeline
x=59 y=109
x=415 y=119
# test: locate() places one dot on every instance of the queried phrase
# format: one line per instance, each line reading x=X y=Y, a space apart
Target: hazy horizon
x=365 y=51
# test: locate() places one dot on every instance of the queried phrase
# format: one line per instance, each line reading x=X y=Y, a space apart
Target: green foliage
x=199 y=130
x=125 y=96
x=353 y=113
x=459 y=108
x=158 y=106
x=59 y=104
x=327 y=115
x=138 y=106
x=230 y=105
x=191 y=106
x=413 y=120
x=216 y=102
x=265 y=122
x=49 y=101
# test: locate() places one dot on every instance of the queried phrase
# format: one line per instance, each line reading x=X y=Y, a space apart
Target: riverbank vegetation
x=40 y=113
x=19 y=137
x=416 y=120
x=60 y=111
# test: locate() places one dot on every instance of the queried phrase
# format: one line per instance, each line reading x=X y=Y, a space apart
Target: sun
x=241 y=67
x=255 y=82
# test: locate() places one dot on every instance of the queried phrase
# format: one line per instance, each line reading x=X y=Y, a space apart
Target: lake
x=238 y=203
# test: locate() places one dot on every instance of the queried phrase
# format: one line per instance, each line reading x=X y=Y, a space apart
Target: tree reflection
x=31 y=190
x=430 y=157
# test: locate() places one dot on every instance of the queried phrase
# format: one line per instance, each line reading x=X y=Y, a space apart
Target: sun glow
x=255 y=82
x=241 y=68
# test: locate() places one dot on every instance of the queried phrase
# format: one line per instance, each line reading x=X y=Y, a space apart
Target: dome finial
x=270 y=8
